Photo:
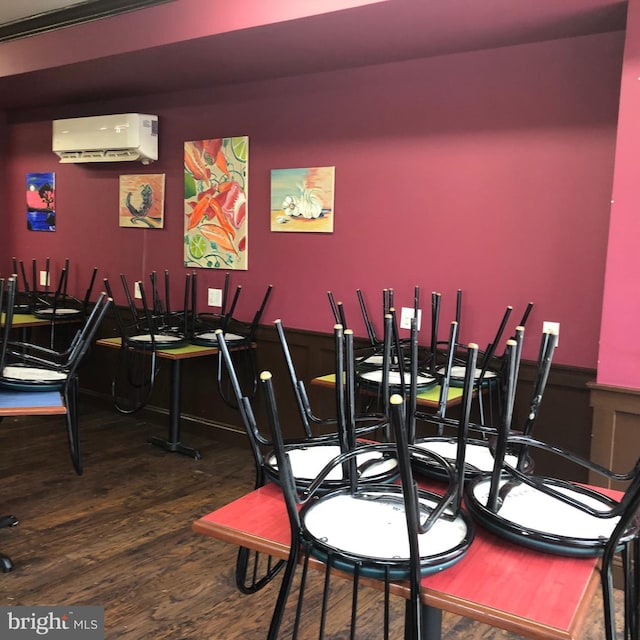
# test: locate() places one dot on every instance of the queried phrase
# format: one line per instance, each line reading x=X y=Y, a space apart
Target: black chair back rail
x=479 y=453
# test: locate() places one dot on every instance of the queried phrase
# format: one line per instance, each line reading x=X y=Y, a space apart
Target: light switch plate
x=214 y=297
x=405 y=318
x=136 y=290
x=552 y=327
x=44 y=278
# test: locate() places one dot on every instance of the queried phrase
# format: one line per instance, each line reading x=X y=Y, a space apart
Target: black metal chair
x=23 y=302
x=309 y=454
x=59 y=304
x=371 y=355
x=55 y=305
x=488 y=373
x=204 y=325
x=376 y=532
x=566 y=518
x=479 y=457
x=396 y=374
x=6 y=521
x=30 y=367
x=486 y=376
x=142 y=333
x=366 y=423
x=240 y=338
x=151 y=327
x=312 y=451
x=27 y=297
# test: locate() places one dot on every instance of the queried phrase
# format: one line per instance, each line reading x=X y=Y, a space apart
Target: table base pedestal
x=175 y=447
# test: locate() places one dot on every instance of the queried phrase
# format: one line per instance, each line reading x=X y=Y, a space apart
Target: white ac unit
x=112 y=138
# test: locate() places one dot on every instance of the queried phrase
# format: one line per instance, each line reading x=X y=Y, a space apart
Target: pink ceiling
x=190 y=43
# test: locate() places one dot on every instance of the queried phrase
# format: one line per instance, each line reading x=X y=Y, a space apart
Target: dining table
x=535 y=594
x=427 y=398
x=25 y=321
x=172 y=443
x=31 y=403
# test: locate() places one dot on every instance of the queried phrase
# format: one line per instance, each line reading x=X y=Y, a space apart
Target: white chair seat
x=308 y=461
x=375 y=378
x=535 y=512
x=458 y=373
x=375 y=526
x=59 y=311
x=147 y=338
x=20 y=374
x=375 y=360
x=210 y=336
x=477 y=454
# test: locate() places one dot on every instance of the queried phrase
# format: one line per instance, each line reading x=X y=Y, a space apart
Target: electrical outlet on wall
x=405 y=317
x=136 y=290
x=44 y=278
x=552 y=327
x=214 y=297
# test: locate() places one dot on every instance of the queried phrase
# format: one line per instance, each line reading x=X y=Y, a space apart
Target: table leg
x=172 y=443
x=431 y=622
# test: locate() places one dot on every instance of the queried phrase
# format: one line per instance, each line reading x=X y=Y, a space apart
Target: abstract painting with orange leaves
x=215 y=203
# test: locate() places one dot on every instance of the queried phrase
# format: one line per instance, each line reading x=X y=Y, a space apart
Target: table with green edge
x=428 y=398
x=172 y=443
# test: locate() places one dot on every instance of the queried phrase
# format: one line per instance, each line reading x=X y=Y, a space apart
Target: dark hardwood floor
x=120 y=535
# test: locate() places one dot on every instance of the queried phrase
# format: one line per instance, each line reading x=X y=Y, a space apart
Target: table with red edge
x=535 y=594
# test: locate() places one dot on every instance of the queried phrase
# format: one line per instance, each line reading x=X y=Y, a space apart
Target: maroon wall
x=489 y=171
x=4 y=164
x=619 y=357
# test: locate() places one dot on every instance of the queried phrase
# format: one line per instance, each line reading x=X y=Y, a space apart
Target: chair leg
x=606 y=579
x=247 y=372
x=422 y=621
x=481 y=404
x=635 y=581
x=354 y=601
x=630 y=559
x=253 y=571
x=303 y=582
x=283 y=594
x=71 y=402
x=5 y=561
x=134 y=380
x=325 y=597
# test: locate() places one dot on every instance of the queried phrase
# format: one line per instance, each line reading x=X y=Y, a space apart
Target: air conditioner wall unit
x=110 y=138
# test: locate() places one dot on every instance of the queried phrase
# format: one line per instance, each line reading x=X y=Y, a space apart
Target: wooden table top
x=180 y=353
x=24 y=320
x=31 y=403
x=429 y=398
x=541 y=596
